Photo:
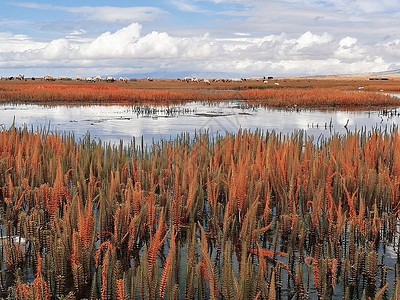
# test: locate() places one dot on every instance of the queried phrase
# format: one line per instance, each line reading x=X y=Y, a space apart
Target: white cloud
x=366 y=6
x=187 y=6
x=154 y=45
x=308 y=39
x=56 y=49
x=109 y=14
x=77 y=32
x=242 y=34
x=367 y=20
x=17 y=43
x=111 y=44
x=127 y=50
x=388 y=49
x=78 y=36
x=348 y=49
x=364 y=19
x=347 y=42
x=117 y=14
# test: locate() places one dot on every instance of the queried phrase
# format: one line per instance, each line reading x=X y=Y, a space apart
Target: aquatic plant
x=248 y=215
x=285 y=97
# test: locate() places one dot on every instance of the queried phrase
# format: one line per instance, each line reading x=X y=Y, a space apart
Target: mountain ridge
x=389 y=73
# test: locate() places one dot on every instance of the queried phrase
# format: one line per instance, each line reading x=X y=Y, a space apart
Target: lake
x=114 y=123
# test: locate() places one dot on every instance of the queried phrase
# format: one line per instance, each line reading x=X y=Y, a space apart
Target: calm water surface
x=115 y=123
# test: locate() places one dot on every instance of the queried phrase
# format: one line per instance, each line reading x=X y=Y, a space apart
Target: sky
x=207 y=39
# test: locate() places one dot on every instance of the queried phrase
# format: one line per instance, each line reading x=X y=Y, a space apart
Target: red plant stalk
x=168 y=263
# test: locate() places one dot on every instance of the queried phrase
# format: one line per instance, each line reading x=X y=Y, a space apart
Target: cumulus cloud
x=17 y=43
x=127 y=43
x=128 y=51
x=111 y=44
x=56 y=49
x=388 y=49
x=348 y=49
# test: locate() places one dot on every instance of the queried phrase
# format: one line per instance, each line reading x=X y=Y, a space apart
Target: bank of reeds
x=245 y=216
x=320 y=98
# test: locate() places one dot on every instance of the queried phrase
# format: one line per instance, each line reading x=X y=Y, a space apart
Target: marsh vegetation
x=288 y=94
x=250 y=214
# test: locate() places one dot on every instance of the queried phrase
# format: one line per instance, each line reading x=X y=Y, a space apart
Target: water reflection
x=113 y=123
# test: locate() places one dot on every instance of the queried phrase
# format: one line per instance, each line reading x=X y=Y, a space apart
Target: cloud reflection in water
x=113 y=123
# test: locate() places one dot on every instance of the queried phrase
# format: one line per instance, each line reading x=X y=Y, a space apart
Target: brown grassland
x=290 y=93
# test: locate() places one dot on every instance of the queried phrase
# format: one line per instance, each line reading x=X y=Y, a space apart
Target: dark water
x=115 y=123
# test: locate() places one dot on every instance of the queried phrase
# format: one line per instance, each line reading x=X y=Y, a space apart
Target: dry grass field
x=320 y=93
x=344 y=83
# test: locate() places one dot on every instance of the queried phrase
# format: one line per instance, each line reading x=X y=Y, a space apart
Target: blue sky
x=215 y=38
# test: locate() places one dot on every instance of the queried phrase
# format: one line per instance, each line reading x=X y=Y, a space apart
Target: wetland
x=199 y=199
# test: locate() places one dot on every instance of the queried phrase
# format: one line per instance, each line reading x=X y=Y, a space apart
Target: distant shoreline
x=318 y=93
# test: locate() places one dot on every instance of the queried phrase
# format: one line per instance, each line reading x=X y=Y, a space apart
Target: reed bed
x=280 y=97
x=251 y=215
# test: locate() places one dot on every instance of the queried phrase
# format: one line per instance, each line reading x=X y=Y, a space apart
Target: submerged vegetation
x=269 y=95
x=244 y=216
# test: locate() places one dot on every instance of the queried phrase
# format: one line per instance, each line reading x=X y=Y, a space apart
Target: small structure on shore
x=378 y=78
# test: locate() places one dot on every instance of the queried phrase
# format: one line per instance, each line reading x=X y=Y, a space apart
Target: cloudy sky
x=212 y=38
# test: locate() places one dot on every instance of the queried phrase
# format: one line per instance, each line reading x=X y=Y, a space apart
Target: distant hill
x=390 y=73
x=386 y=74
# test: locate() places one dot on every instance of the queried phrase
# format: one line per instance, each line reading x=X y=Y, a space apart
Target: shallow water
x=115 y=123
